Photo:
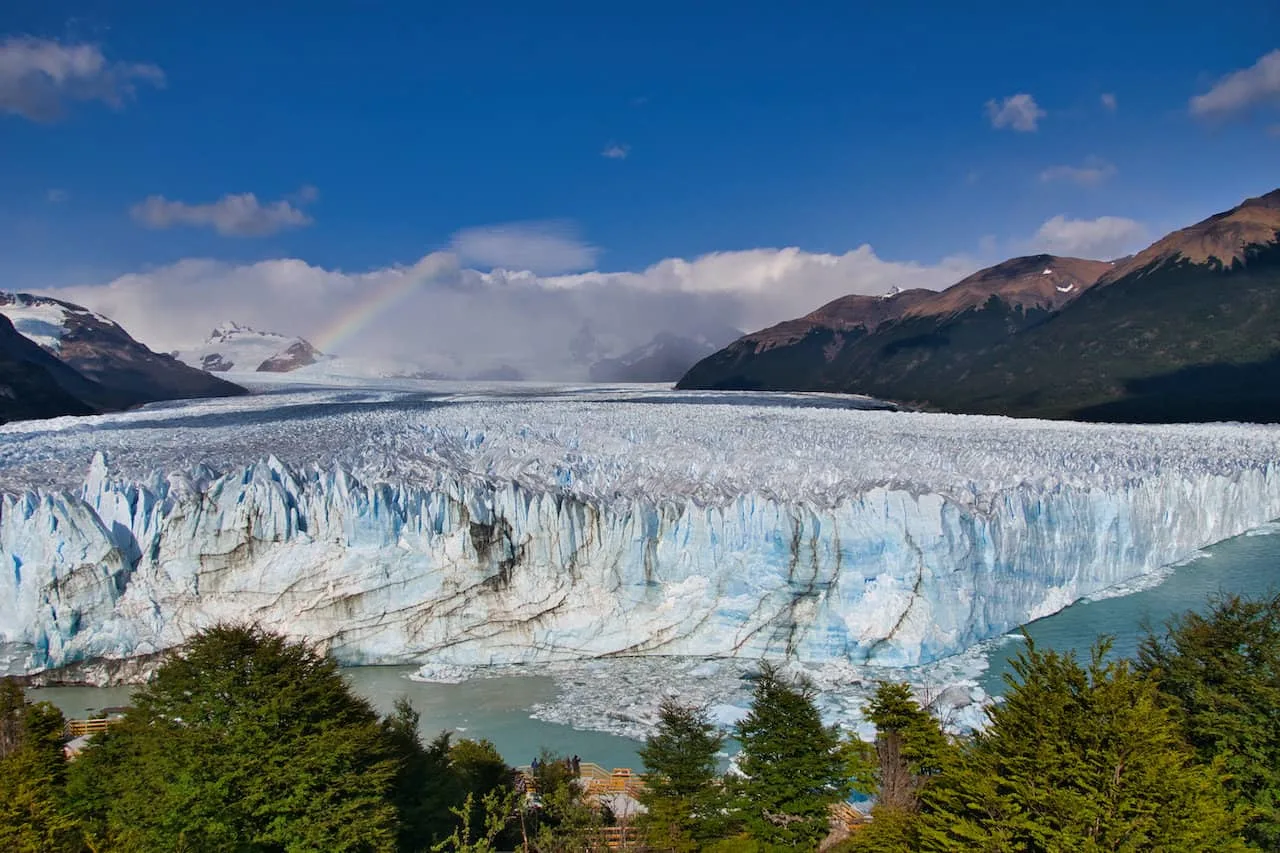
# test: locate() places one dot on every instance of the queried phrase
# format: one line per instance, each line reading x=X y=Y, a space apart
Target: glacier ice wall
x=520 y=541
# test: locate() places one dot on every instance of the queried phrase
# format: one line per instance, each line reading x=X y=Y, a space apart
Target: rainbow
x=354 y=320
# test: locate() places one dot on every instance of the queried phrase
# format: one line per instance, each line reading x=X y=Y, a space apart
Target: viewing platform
x=596 y=780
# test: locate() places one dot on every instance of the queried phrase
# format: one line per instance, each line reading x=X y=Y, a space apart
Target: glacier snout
x=454 y=569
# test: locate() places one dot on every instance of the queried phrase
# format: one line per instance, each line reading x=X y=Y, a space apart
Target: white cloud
x=1241 y=90
x=38 y=77
x=1091 y=173
x=1104 y=237
x=1108 y=100
x=447 y=312
x=614 y=151
x=57 y=196
x=1018 y=112
x=544 y=248
x=238 y=215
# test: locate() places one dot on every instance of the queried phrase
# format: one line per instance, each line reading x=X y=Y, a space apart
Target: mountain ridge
x=1139 y=341
x=93 y=360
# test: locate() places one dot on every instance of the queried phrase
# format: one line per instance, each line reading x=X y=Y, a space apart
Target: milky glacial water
x=1248 y=564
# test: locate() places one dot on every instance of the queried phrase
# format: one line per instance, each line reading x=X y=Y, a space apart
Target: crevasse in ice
x=476 y=532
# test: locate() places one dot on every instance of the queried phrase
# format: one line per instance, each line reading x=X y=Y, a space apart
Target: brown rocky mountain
x=1186 y=330
x=1224 y=238
x=807 y=351
x=1045 y=282
x=300 y=353
x=855 y=311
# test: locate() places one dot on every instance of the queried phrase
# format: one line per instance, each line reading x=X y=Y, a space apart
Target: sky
x=478 y=181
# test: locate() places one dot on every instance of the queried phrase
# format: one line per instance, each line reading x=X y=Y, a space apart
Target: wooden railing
x=79 y=728
x=596 y=780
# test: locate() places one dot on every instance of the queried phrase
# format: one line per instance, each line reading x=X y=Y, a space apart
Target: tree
x=243 y=742
x=562 y=820
x=489 y=782
x=910 y=750
x=1077 y=758
x=793 y=766
x=1222 y=670
x=910 y=746
x=685 y=798
x=33 y=815
x=495 y=809
x=425 y=790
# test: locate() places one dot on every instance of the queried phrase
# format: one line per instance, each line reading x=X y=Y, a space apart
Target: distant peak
x=231 y=330
x=229 y=327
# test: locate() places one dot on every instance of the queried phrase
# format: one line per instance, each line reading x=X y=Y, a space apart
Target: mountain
x=1185 y=330
x=31 y=381
x=123 y=371
x=901 y=344
x=234 y=347
x=665 y=358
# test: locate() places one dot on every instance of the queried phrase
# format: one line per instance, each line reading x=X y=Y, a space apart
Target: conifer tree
x=1223 y=671
x=33 y=814
x=1078 y=758
x=686 y=801
x=910 y=750
x=793 y=766
x=910 y=746
x=242 y=742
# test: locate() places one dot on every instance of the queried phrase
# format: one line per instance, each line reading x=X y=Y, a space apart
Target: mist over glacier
x=426 y=523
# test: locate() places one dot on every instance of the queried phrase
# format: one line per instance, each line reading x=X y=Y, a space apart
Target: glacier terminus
x=437 y=524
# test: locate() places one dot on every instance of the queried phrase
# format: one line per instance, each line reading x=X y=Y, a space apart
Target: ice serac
x=456 y=567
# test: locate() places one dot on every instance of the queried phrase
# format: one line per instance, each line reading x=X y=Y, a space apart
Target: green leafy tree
x=243 y=742
x=1080 y=758
x=489 y=782
x=33 y=813
x=425 y=790
x=1223 y=671
x=496 y=809
x=563 y=820
x=794 y=768
x=686 y=800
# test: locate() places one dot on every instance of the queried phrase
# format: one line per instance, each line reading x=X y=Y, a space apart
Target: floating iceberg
x=463 y=529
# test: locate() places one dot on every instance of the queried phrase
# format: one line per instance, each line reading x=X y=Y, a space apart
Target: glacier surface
x=459 y=526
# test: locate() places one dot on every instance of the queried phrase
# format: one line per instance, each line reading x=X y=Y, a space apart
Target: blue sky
x=385 y=128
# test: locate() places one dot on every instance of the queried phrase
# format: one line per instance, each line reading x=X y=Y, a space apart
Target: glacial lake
x=499 y=708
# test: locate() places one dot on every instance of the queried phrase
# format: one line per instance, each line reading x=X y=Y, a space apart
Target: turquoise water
x=1248 y=564
x=498 y=708
x=492 y=708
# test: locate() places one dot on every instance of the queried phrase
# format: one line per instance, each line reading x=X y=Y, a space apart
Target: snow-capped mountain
x=234 y=347
x=120 y=371
x=31 y=381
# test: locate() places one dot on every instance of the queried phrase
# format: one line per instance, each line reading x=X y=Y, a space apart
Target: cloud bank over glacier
x=481 y=318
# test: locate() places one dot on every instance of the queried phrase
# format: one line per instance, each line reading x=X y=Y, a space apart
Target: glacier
x=450 y=525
